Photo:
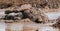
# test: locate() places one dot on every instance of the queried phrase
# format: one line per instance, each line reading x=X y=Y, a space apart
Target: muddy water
x=2 y=26
x=53 y=15
x=28 y=27
x=47 y=28
x=14 y=27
